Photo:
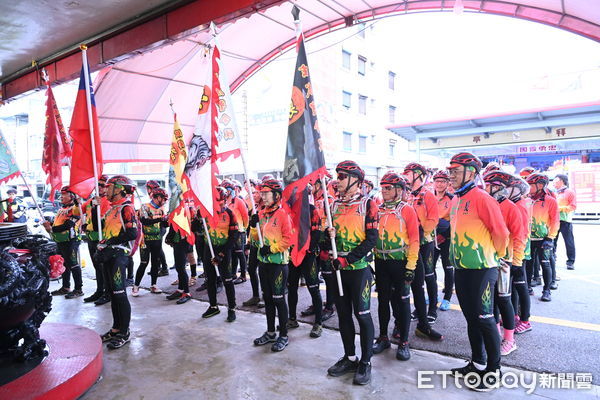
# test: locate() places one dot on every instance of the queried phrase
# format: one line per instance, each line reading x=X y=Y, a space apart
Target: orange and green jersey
x=276 y=228
x=478 y=236
x=89 y=217
x=513 y=218
x=151 y=211
x=444 y=204
x=240 y=211
x=524 y=207
x=65 y=213
x=352 y=220
x=544 y=218
x=567 y=204
x=426 y=206
x=398 y=234
x=117 y=220
x=222 y=227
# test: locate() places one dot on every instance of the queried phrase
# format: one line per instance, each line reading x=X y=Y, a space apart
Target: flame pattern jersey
x=351 y=220
x=64 y=214
x=524 y=207
x=479 y=236
x=240 y=212
x=444 y=204
x=89 y=210
x=517 y=229
x=544 y=218
x=426 y=206
x=223 y=225
x=120 y=217
x=567 y=204
x=276 y=229
x=398 y=234
x=150 y=211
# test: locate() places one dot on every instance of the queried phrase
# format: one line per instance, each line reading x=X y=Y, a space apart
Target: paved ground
x=564 y=339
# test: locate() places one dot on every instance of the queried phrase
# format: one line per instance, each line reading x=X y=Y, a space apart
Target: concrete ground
x=176 y=354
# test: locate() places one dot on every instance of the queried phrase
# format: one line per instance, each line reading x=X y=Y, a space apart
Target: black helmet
x=392 y=178
x=123 y=182
x=413 y=166
x=351 y=168
x=499 y=178
x=536 y=178
x=271 y=185
x=467 y=160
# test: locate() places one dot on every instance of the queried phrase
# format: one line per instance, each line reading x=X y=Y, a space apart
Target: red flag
x=57 y=149
x=82 y=179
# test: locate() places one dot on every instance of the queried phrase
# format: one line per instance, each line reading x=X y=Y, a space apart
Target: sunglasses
x=341 y=176
x=101 y=185
x=387 y=187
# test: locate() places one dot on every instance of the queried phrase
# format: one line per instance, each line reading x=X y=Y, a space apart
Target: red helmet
x=441 y=174
x=221 y=193
x=467 y=160
x=227 y=184
x=160 y=192
x=491 y=166
x=392 y=178
x=351 y=168
x=369 y=182
x=525 y=172
x=271 y=185
x=65 y=189
x=123 y=182
x=103 y=178
x=499 y=178
x=520 y=184
x=152 y=184
x=536 y=178
x=413 y=166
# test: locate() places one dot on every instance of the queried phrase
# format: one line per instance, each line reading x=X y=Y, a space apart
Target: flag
x=201 y=168
x=8 y=164
x=82 y=179
x=57 y=147
x=227 y=135
x=178 y=186
x=304 y=159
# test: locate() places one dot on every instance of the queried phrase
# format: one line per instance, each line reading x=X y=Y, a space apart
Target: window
x=362 y=104
x=362 y=144
x=392 y=114
x=346 y=59
x=362 y=65
x=346 y=99
x=391 y=80
x=347 y=141
x=392 y=148
x=362 y=29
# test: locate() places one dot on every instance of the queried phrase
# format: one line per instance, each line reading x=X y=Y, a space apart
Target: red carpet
x=73 y=366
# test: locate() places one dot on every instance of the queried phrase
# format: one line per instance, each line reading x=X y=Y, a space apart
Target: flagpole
x=242 y=156
x=338 y=275
x=210 y=246
x=88 y=96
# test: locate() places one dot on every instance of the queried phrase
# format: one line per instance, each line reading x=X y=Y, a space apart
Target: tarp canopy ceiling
x=133 y=96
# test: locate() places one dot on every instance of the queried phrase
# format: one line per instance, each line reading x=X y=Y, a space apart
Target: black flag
x=304 y=159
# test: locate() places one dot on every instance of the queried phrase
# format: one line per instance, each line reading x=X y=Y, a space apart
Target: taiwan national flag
x=82 y=180
x=304 y=159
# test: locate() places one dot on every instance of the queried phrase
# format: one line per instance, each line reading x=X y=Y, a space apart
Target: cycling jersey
x=544 y=218
x=119 y=218
x=398 y=234
x=479 y=236
x=524 y=208
x=517 y=229
x=151 y=230
x=444 y=204
x=426 y=206
x=276 y=228
x=66 y=224
x=352 y=219
x=223 y=226
x=91 y=230
x=566 y=204
x=240 y=211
